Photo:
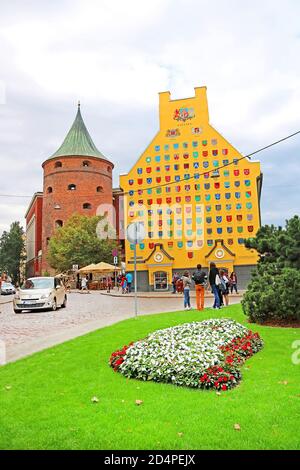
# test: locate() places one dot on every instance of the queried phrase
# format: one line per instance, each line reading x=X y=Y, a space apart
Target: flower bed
x=207 y=354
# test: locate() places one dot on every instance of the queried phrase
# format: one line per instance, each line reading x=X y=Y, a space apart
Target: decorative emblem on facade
x=158 y=257
x=197 y=130
x=184 y=114
x=173 y=133
x=219 y=253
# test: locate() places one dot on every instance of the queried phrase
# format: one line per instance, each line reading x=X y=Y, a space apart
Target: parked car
x=7 y=288
x=47 y=293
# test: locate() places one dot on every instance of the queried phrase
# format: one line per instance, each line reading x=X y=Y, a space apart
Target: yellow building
x=196 y=196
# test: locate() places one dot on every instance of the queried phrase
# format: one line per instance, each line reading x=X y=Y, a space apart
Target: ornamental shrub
x=273 y=294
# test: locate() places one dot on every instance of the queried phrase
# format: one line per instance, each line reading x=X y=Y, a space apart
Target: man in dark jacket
x=199 y=277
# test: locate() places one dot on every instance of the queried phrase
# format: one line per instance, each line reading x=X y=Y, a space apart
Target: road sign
x=136 y=232
x=75 y=267
x=115 y=260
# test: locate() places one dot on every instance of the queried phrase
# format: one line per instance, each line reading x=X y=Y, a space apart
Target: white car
x=7 y=288
x=40 y=293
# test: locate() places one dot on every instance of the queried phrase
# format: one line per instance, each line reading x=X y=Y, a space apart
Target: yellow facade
x=197 y=200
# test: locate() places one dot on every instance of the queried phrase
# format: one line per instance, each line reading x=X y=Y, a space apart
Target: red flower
x=224 y=387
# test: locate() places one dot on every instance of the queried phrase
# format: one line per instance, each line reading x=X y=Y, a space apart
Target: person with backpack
x=199 y=277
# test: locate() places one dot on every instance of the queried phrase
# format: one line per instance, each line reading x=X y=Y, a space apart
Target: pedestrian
x=199 y=277
x=187 y=282
x=129 y=281
x=179 y=286
x=214 y=281
x=84 y=285
x=224 y=286
x=174 y=281
x=124 y=284
x=233 y=282
x=109 y=284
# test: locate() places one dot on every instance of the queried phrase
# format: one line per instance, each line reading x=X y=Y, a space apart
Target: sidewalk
x=162 y=295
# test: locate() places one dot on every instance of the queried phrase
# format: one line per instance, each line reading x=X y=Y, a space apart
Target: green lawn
x=45 y=400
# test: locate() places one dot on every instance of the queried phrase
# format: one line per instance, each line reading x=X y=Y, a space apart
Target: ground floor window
x=161 y=280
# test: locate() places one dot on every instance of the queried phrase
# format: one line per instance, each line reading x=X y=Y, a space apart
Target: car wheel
x=64 y=304
x=54 y=305
x=16 y=310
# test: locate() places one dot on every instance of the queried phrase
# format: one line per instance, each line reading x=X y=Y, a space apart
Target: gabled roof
x=223 y=246
x=78 y=141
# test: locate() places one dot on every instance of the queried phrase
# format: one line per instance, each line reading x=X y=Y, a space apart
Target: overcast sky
x=115 y=56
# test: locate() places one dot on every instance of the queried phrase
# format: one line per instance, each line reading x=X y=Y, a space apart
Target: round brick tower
x=77 y=179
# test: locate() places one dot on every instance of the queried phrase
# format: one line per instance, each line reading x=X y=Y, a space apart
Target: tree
x=278 y=245
x=12 y=251
x=77 y=243
x=274 y=290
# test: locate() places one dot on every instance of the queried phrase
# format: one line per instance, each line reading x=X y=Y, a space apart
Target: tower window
x=87 y=205
x=86 y=163
x=58 y=223
x=49 y=190
x=58 y=164
x=108 y=169
x=99 y=189
x=72 y=187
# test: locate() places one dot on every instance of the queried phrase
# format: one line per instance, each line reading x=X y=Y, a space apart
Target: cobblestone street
x=29 y=332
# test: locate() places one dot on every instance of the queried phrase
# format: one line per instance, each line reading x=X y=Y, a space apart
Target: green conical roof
x=78 y=141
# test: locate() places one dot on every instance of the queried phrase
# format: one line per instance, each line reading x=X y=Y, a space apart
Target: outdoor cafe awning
x=99 y=268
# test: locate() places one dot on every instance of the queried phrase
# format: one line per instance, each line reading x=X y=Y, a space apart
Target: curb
x=171 y=296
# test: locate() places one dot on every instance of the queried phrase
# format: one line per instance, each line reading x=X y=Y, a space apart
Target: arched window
x=49 y=190
x=87 y=205
x=99 y=189
x=72 y=187
x=58 y=223
x=58 y=164
x=86 y=163
x=109 y=169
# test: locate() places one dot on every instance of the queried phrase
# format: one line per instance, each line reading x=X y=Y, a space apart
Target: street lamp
x=135 y=234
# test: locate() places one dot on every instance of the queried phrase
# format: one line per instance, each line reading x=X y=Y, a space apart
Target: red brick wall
x=34 y=266
x=86 y=179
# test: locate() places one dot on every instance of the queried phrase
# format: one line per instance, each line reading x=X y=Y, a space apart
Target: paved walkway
x=26 y=333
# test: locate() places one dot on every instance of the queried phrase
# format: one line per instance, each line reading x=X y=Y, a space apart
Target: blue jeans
x=215 y=291
x=187 y=300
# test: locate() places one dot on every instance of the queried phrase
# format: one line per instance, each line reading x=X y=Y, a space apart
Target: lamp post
x=135 y=234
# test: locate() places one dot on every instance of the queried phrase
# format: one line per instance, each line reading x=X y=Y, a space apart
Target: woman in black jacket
x=213 y=274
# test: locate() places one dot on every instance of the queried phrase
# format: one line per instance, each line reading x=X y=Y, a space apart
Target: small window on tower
x=99 y=189
x=58 y=164
x=49 y=190
x=109 y=169
x=72 y=187
x=87 y=205
x=86 y=163
x=58 y=223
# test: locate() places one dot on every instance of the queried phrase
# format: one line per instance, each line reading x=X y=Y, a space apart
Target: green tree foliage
x=12 y=251
x=77 y=243
x=277 y=245
x=274 y=290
